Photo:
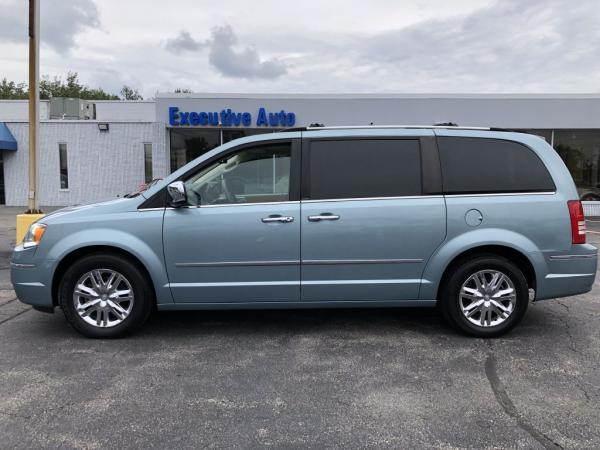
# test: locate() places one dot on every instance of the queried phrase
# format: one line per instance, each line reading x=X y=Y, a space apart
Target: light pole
x=33 y=211
x=34 y=101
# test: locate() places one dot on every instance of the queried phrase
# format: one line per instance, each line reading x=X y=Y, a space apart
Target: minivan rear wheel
x=105 y=296
x=485 y=296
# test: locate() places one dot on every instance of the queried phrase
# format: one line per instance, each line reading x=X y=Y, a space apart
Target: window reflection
x=236 y=133
x=189 y=144
x=580 y=150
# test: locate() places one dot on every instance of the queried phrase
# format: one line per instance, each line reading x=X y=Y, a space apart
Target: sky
x=333 y=46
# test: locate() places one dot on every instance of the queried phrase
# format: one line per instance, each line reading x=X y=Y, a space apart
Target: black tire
x=142 y=294
x=460 y=273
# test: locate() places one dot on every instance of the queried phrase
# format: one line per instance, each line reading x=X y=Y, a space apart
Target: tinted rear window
x=478 y=165
x=364 y=168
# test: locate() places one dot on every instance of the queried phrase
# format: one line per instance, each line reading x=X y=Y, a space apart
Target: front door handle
x=277 y=218
x=323 y=216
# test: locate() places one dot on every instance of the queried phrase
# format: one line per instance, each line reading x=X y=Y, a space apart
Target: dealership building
x=96 y=150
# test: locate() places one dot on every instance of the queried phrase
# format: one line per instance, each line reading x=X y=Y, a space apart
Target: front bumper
x=31 y=278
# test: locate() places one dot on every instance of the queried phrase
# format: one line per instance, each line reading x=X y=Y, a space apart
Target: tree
x=12 y=90
x=71 y=88
x=57 y=87
x=128 y=93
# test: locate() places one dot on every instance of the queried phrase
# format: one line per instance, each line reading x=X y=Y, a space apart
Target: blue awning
x=7 y=141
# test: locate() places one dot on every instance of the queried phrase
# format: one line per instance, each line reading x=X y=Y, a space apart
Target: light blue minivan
x=476 y=221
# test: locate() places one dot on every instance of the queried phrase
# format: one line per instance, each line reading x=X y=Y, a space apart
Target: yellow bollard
x=23 y=223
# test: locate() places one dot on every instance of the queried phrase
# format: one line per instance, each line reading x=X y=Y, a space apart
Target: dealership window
x=64 y=167
x=147 y=162
x=254 y=175
x=187 y=145
x=477 y=165
x=580 y=150
x=364 y=168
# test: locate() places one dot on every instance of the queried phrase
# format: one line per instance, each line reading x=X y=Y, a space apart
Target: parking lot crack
x=565 y=322
x=509 y=407
x=15 y=416
x=14 y=316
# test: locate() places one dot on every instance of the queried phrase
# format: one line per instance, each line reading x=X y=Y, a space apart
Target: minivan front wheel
x=105 y=296
x=485 y=296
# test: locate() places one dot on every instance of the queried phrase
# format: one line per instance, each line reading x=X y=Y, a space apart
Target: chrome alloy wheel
x=487 y=298
x=103 y=298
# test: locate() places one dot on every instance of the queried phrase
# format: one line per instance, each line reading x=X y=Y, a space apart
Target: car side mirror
x=176 y=194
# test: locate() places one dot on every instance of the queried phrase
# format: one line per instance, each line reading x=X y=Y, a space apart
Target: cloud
x=183 y=42
x=245 y=63
x=461 y=46
x=223 y=56
x=512 y=45
x=60 y=22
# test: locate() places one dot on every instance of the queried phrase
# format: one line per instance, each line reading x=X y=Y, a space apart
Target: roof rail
x=358 y=127
x=448 y=125
x=286 y=130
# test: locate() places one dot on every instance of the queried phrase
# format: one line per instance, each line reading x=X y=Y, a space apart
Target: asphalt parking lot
x=313 y=379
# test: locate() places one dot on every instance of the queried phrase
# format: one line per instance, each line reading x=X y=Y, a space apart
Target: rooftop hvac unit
x=71 y=109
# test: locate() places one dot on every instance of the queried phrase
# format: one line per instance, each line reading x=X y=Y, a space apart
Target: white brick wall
x=102 y=165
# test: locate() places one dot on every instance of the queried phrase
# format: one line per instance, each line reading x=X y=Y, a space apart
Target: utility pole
x=33 y=212
x=34 y=102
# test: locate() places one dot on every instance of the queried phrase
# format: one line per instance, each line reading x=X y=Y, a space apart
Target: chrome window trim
x=287 y=202
x=160 y=208
x=571 y=257
x=292 y=202
x=500 y=194
x=372 y=198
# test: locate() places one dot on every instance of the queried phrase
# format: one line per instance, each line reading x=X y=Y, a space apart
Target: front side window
x=481 y=166
x=253 y=175
x=64 y=168
x=362 y=168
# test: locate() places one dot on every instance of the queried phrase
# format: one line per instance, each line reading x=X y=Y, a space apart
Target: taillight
x=577 y=222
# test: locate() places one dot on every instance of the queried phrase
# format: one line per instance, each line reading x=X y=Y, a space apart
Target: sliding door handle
x=323 y=216
x=277 y=218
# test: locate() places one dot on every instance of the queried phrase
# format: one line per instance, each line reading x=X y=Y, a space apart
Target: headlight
x=34 y=235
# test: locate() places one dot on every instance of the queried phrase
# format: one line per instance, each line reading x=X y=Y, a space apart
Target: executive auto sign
x=229 y=118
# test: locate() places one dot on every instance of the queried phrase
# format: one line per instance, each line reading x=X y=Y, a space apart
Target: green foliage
x=128 y=93
x=57 y=87
x=71 y=88
x=12 y=90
